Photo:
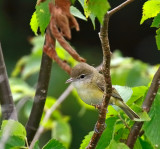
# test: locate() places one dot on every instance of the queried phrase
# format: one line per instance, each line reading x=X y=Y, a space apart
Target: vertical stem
x=40 y=97
x=6 y=99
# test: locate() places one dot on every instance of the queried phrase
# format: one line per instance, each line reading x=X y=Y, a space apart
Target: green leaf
x=145 y=144
x=98 y=7
x=92 y=17
x=156 y=21
x=138 y=92
x=53 y=144
x=81 y=2
x=62 y=132
x=108 y=133
x=150 y=9
x=137 y=145
x=43 y=15
x=125 y=92
x=14 y=142
x=86 y=140
x=14 y=132
x=36 y=145
x=16 y=128
x=20 y=89
x=77 y=13
x=158 y=38
x=151 y=128
x=115 y=145
x=34 y=23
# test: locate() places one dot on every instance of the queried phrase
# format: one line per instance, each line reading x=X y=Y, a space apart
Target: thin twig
x=49 y=112
x=135 y=131
x=6 y=99
x=40 y=97
x=100 y=125
x=116 y=9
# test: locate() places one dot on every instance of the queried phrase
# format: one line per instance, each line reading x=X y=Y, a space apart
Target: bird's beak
x=69 y=80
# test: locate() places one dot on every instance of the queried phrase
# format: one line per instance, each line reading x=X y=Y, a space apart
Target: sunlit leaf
x=43 y=15
x=158 y=38
x=74 y=11
x=98 y=7
x=86 y=140
x=156 y=21
x=150 y=9
x=53 y=144
x=34 y=23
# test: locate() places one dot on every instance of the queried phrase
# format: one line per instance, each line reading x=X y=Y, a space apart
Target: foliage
x=125 y=72
x=151 y=9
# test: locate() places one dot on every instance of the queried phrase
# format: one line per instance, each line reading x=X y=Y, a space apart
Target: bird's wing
x=100 y=83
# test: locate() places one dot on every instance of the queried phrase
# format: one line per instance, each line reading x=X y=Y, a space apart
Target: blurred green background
x=125 y=33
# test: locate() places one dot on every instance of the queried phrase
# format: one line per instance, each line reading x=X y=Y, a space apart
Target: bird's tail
x=131 y=114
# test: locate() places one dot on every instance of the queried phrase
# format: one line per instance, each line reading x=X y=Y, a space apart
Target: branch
x=40 y=97
x=49 y=112
x=100 y=125
x=116 y=9
x=132 y=137
x=6 y=99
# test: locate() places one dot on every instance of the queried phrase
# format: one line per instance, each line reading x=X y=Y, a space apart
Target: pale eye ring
x=82 y=76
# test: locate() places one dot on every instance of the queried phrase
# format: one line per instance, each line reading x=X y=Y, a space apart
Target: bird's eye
x=82 y=76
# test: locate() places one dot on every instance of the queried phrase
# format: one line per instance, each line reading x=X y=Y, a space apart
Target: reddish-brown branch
x=100 y=125
x=135 y=131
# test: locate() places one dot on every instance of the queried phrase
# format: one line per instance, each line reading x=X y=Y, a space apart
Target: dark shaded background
x=125 y=33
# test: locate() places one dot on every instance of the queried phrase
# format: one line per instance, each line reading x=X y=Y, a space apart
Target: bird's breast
x=89 y=93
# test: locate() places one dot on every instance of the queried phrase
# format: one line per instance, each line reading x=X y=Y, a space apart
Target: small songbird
x=89 y=84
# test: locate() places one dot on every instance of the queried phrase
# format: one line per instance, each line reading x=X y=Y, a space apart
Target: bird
x=90 y=85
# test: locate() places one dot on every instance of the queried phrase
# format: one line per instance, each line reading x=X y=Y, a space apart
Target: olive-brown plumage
x=89 y=84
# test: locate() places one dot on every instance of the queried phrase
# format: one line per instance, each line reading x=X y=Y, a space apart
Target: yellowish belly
x=89 y=94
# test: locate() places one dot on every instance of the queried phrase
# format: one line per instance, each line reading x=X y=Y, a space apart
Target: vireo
x=89 y=84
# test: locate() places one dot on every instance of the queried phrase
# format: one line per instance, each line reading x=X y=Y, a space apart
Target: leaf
x=145 y=144
x=108 y=133
x=150 y=9
x=158 y=38
x=138 y=92
x=86 y=140
x=125 y=92
x=43 y=15
x=16 y=128
x=74 y=11
x=156 y=21
x=151 y=128
x=36 y=145
x=92 y=17
x=34 y=23
x=14 y=142
x=62 y=132
x=20 y=89
x=14 y=132
x=98 y=7
x=53 y=144
x=115 y=145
